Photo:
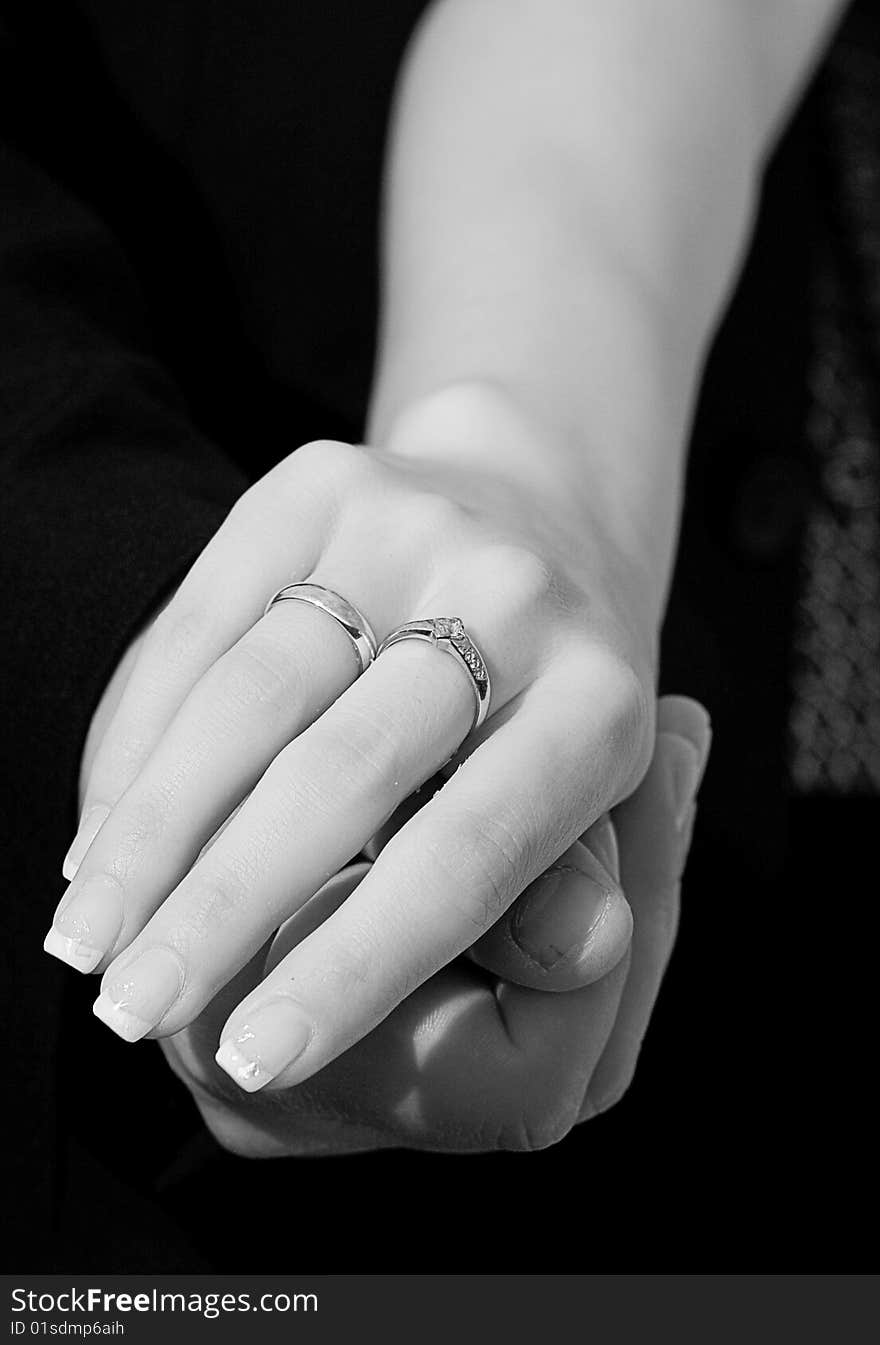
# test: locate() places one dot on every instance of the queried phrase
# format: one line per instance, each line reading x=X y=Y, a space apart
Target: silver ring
x=448 y=633
x=353 y=622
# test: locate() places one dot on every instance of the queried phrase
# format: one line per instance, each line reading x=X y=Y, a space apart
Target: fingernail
x=686 y=762
x=601 y=839
x=572 y=902
x=273 y=1037
x=141 y=995
x=87 y=923
x=90 y=824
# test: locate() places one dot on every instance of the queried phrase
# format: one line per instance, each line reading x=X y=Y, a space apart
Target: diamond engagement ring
x=448 y=633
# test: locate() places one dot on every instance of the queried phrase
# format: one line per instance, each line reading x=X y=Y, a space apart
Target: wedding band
x=448 y=633
x=353 y=622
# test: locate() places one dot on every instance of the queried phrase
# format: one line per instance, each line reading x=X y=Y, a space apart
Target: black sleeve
x=107 y=490
x=107 y=494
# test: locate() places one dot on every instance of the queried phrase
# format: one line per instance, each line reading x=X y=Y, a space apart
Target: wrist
x=496 y=437
x=603 y=383
x=479 y=423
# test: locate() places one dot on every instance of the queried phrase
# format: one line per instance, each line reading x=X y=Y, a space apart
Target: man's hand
x=472 y=1062
x=545 y=942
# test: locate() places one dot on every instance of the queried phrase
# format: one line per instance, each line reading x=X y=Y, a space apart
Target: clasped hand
x=246 y=763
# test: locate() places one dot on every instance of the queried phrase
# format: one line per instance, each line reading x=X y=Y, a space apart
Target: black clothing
x=188 y=240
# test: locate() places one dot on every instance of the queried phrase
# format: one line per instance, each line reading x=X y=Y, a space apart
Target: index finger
x=216 y=601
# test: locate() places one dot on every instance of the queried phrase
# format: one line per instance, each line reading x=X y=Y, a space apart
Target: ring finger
x=320 y=799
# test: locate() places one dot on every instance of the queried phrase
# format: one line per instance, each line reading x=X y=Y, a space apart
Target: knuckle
x=624 y=693
x=119 y=760
x=365 y=738
x=211 y=906
x=180 y=633
x=320 y=468
x=479 y=863
x=363 y=978
x=530 y=580
x=258 y=673
x=538 y=1128
x=428 y=516
x=353 y=970
x=633 y=722
x=604 y=682
x=140 y=828
x=331 y=459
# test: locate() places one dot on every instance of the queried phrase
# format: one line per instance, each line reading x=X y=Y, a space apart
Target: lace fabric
x=834 y=725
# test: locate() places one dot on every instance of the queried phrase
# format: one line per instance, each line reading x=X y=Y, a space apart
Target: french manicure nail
x=572 y=902
x=90 y=824
x=273 y=1037
x=135 y=1001
x=87 y=923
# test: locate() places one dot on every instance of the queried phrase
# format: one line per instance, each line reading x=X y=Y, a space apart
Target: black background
x=743 y=1143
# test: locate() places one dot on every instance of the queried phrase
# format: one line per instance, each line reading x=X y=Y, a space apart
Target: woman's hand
x=468 y=1062
x=224 y=705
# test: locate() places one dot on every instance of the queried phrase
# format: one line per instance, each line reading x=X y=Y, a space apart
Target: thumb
x=569 y=927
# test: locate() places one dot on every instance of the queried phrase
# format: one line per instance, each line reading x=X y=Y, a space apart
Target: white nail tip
x=88 y=829
x=70 y=865
x=77 y=955
x=125 y=1024
x=248 y=1074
